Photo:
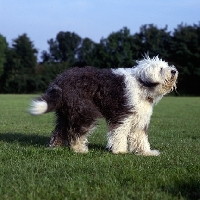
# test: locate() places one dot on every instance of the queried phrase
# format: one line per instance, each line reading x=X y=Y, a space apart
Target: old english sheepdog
x=124 y=97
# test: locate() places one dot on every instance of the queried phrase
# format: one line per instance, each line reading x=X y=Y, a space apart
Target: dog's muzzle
x=173 y=72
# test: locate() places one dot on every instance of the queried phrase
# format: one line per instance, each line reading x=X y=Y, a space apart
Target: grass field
x=29 y=170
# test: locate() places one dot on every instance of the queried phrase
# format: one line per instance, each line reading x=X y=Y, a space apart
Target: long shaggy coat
x=124 y=97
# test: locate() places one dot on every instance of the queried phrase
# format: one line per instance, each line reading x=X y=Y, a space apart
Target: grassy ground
x=30 y=170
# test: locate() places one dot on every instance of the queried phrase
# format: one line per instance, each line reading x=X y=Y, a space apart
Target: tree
x=185 y=49
x=20 y=65
x=154 y=41
x=3 y=48
x=63 y=49
x=25 y=52
x=117 y=50
x=20 y=73
x=85 y=53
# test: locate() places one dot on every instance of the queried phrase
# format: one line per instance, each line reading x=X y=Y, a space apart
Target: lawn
x=30 y=170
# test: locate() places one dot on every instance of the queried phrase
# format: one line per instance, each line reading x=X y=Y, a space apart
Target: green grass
x=30 y=170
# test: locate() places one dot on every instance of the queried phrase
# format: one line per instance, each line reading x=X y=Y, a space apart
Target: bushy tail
x=38 y=107
x=48 y=102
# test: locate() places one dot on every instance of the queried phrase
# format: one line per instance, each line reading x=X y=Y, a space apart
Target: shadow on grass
x=37 y=140
x=188 y=189
x=25 y=140
x=98 y=147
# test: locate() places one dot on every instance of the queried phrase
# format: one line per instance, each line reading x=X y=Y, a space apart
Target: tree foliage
x=155 y=41
x=64 y=48
x=20 y=63
x=120 y=49
x=185 y=49
x=3 y=48
x=86 y=53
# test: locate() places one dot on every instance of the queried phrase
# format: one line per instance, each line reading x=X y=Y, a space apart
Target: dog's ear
x=148 y=83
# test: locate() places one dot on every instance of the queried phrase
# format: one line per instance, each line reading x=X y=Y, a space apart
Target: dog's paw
x=150 y=153
x=79 y=149
x=119 y=152
x=116 y=150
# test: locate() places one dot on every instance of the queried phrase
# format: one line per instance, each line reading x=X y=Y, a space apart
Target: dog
x=125 y=97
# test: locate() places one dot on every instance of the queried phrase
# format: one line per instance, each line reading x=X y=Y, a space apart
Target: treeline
x=20 y=72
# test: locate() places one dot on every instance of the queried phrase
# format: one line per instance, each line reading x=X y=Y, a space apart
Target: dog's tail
x=49 y=101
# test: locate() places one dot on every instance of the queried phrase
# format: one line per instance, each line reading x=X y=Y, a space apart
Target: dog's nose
x=173 y=72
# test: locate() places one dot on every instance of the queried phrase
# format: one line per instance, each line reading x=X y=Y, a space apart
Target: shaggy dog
x=124 y=97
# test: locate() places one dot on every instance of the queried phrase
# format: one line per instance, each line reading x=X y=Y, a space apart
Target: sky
x=42 y=20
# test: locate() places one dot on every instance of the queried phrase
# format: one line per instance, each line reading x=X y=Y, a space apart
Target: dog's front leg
x=117 y=137
x=117 y=142
x=139 y=144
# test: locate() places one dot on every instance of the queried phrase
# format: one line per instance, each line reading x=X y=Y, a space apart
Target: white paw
x=116 y=150
x=79 y=150
x=119 y=152
x=150 y=153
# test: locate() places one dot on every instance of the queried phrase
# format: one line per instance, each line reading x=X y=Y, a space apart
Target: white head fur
x=158 y=77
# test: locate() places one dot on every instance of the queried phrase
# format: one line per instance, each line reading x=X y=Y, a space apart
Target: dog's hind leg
x=57 y=140
x=60 y=136
x=80 y=144
x=82 y=123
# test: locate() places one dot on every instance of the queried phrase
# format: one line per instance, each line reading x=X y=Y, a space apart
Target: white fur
x=117 y=138
x=38 y=107
x=80 y=144
x=130 y=135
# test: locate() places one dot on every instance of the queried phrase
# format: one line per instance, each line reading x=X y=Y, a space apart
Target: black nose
x=173 y=72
